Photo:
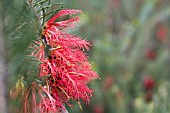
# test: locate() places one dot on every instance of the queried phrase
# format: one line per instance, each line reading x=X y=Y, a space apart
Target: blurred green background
x=130 y=52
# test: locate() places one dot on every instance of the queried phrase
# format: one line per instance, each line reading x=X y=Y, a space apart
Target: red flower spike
x=63 y=13
x=64 y=64
x=67 y=24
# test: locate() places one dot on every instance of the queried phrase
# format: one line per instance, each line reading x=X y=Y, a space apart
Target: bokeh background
x=130 y=52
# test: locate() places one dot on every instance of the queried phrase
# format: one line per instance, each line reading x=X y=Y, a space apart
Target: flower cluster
x=64 y=69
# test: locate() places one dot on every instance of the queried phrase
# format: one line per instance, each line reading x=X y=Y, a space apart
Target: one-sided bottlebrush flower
x=64 y=69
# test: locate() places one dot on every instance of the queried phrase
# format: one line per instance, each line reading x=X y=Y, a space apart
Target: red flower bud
x=148 y=83
x=162 y=33
x=150 y=54
x=98 y=109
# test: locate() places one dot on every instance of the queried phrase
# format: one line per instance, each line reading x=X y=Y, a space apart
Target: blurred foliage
x=130 y=41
